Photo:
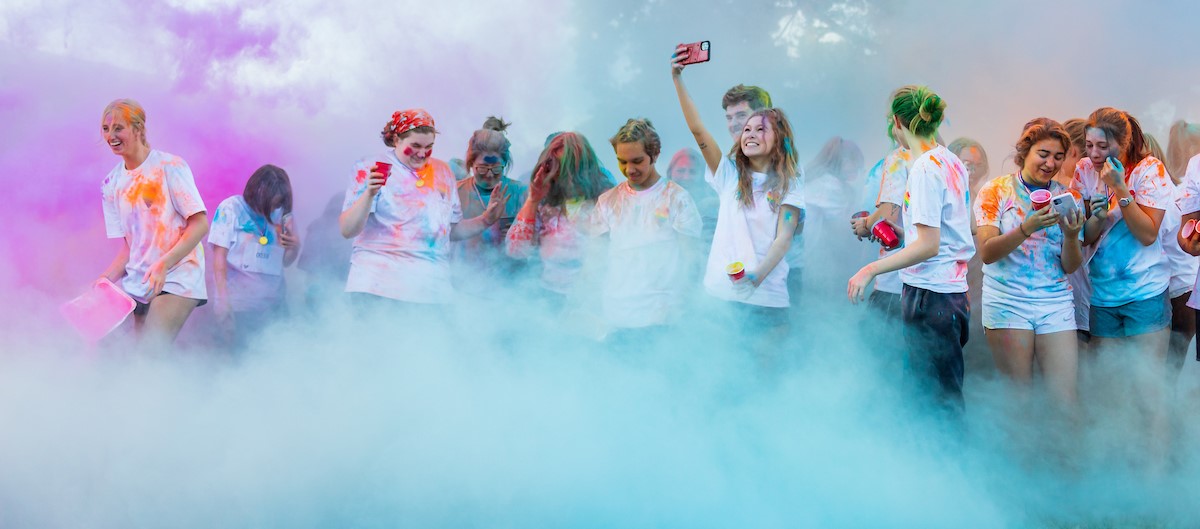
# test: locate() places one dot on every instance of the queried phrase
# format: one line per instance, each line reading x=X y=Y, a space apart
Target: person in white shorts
x=1028 y=308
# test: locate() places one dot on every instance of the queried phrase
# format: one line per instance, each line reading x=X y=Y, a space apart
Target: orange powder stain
x=145 y=190
x=989 y=204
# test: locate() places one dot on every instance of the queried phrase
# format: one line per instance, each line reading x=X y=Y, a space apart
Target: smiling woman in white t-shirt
x=402 y=223
x=937 y=246
x=1028 y=308
x=253 y=238
x=152 y=204
x=759 y=187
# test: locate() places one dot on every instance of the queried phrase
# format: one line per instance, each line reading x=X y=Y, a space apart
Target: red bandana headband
x=406 y=120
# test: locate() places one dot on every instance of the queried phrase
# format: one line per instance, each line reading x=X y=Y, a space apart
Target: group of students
x=413 y=223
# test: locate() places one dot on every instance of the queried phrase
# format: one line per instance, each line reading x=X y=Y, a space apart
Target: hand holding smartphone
x=696 y=52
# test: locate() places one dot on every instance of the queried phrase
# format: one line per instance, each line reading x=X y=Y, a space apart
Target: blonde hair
x=639 y=130
x=131 y=112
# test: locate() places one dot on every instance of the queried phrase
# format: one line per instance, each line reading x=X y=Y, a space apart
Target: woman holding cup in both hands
x=1028 y=249
x=1131 y=311
x=402 y=209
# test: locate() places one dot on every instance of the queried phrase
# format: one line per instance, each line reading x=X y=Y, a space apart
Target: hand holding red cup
x=886 y=234
x=384 y=169
x=1040 y=199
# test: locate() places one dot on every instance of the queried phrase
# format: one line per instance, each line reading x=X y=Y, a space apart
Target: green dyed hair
x=920 y=109
x=577 y=172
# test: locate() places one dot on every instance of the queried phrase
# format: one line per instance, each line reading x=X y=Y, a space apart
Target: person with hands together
x=759 y=184
x=938 y=243
x=480 y=262
x=152 y=204
x=1028 y=252
x=402 y=210
x=253 y=239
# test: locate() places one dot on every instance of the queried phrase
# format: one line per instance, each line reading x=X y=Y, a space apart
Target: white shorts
x=1041 y=317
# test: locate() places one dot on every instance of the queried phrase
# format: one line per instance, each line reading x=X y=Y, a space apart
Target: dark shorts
x=141 y=309
x=759 y=317
x=1132 y=319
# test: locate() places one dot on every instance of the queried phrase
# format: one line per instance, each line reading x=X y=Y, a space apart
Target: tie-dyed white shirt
x=1189 y=202
x=1033 y=271
x=745 y=235
x=149 y=207
x=1123 y=270
x=937 y=196
x=892 y=184
x=649 y=231
x=254 y=275
x=403 y=252
x=558 y=238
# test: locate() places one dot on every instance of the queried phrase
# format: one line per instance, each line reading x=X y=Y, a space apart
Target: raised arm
x=704 y=140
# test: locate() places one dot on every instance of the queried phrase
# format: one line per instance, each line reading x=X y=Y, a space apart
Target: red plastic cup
x=860 y=215
x=1040 y=199
x=886 y=235
x=383 y=168
x=736 y=270
x=1188 y=229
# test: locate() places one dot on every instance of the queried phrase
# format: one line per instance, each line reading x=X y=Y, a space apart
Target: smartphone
x=1064 y=204
x=696 y=52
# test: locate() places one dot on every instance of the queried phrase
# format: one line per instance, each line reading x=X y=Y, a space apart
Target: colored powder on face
x=408 y=151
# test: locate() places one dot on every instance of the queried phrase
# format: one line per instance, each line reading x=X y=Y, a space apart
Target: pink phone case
x=697 y=52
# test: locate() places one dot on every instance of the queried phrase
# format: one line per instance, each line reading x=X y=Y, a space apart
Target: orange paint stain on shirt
x=148 y=191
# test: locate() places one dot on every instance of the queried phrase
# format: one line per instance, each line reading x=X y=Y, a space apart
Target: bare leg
x=1058 y=359
x=1149 y=355
x=1012 y=349
x=165 y=318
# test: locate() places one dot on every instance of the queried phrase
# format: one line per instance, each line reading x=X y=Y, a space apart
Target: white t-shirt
x=1033 y=271
x=149 y=207
x=892 y=185
x=403 y=252
x=556 y=234
x=1123 y=270
x=254 y=277
x=649 y=231
x=1189 y=202
x=745 y=235
x=1182 y=265
x=938 y=197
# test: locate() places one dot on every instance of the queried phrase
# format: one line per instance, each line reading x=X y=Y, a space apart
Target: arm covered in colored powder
x=471 y=228
x=785 y=230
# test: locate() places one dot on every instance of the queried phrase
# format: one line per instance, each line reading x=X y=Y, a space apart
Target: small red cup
x=736 y=270
x=860 y=215
x=1040 y=199
x=383 y=168
x=886 y=235
x=1188 y=229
